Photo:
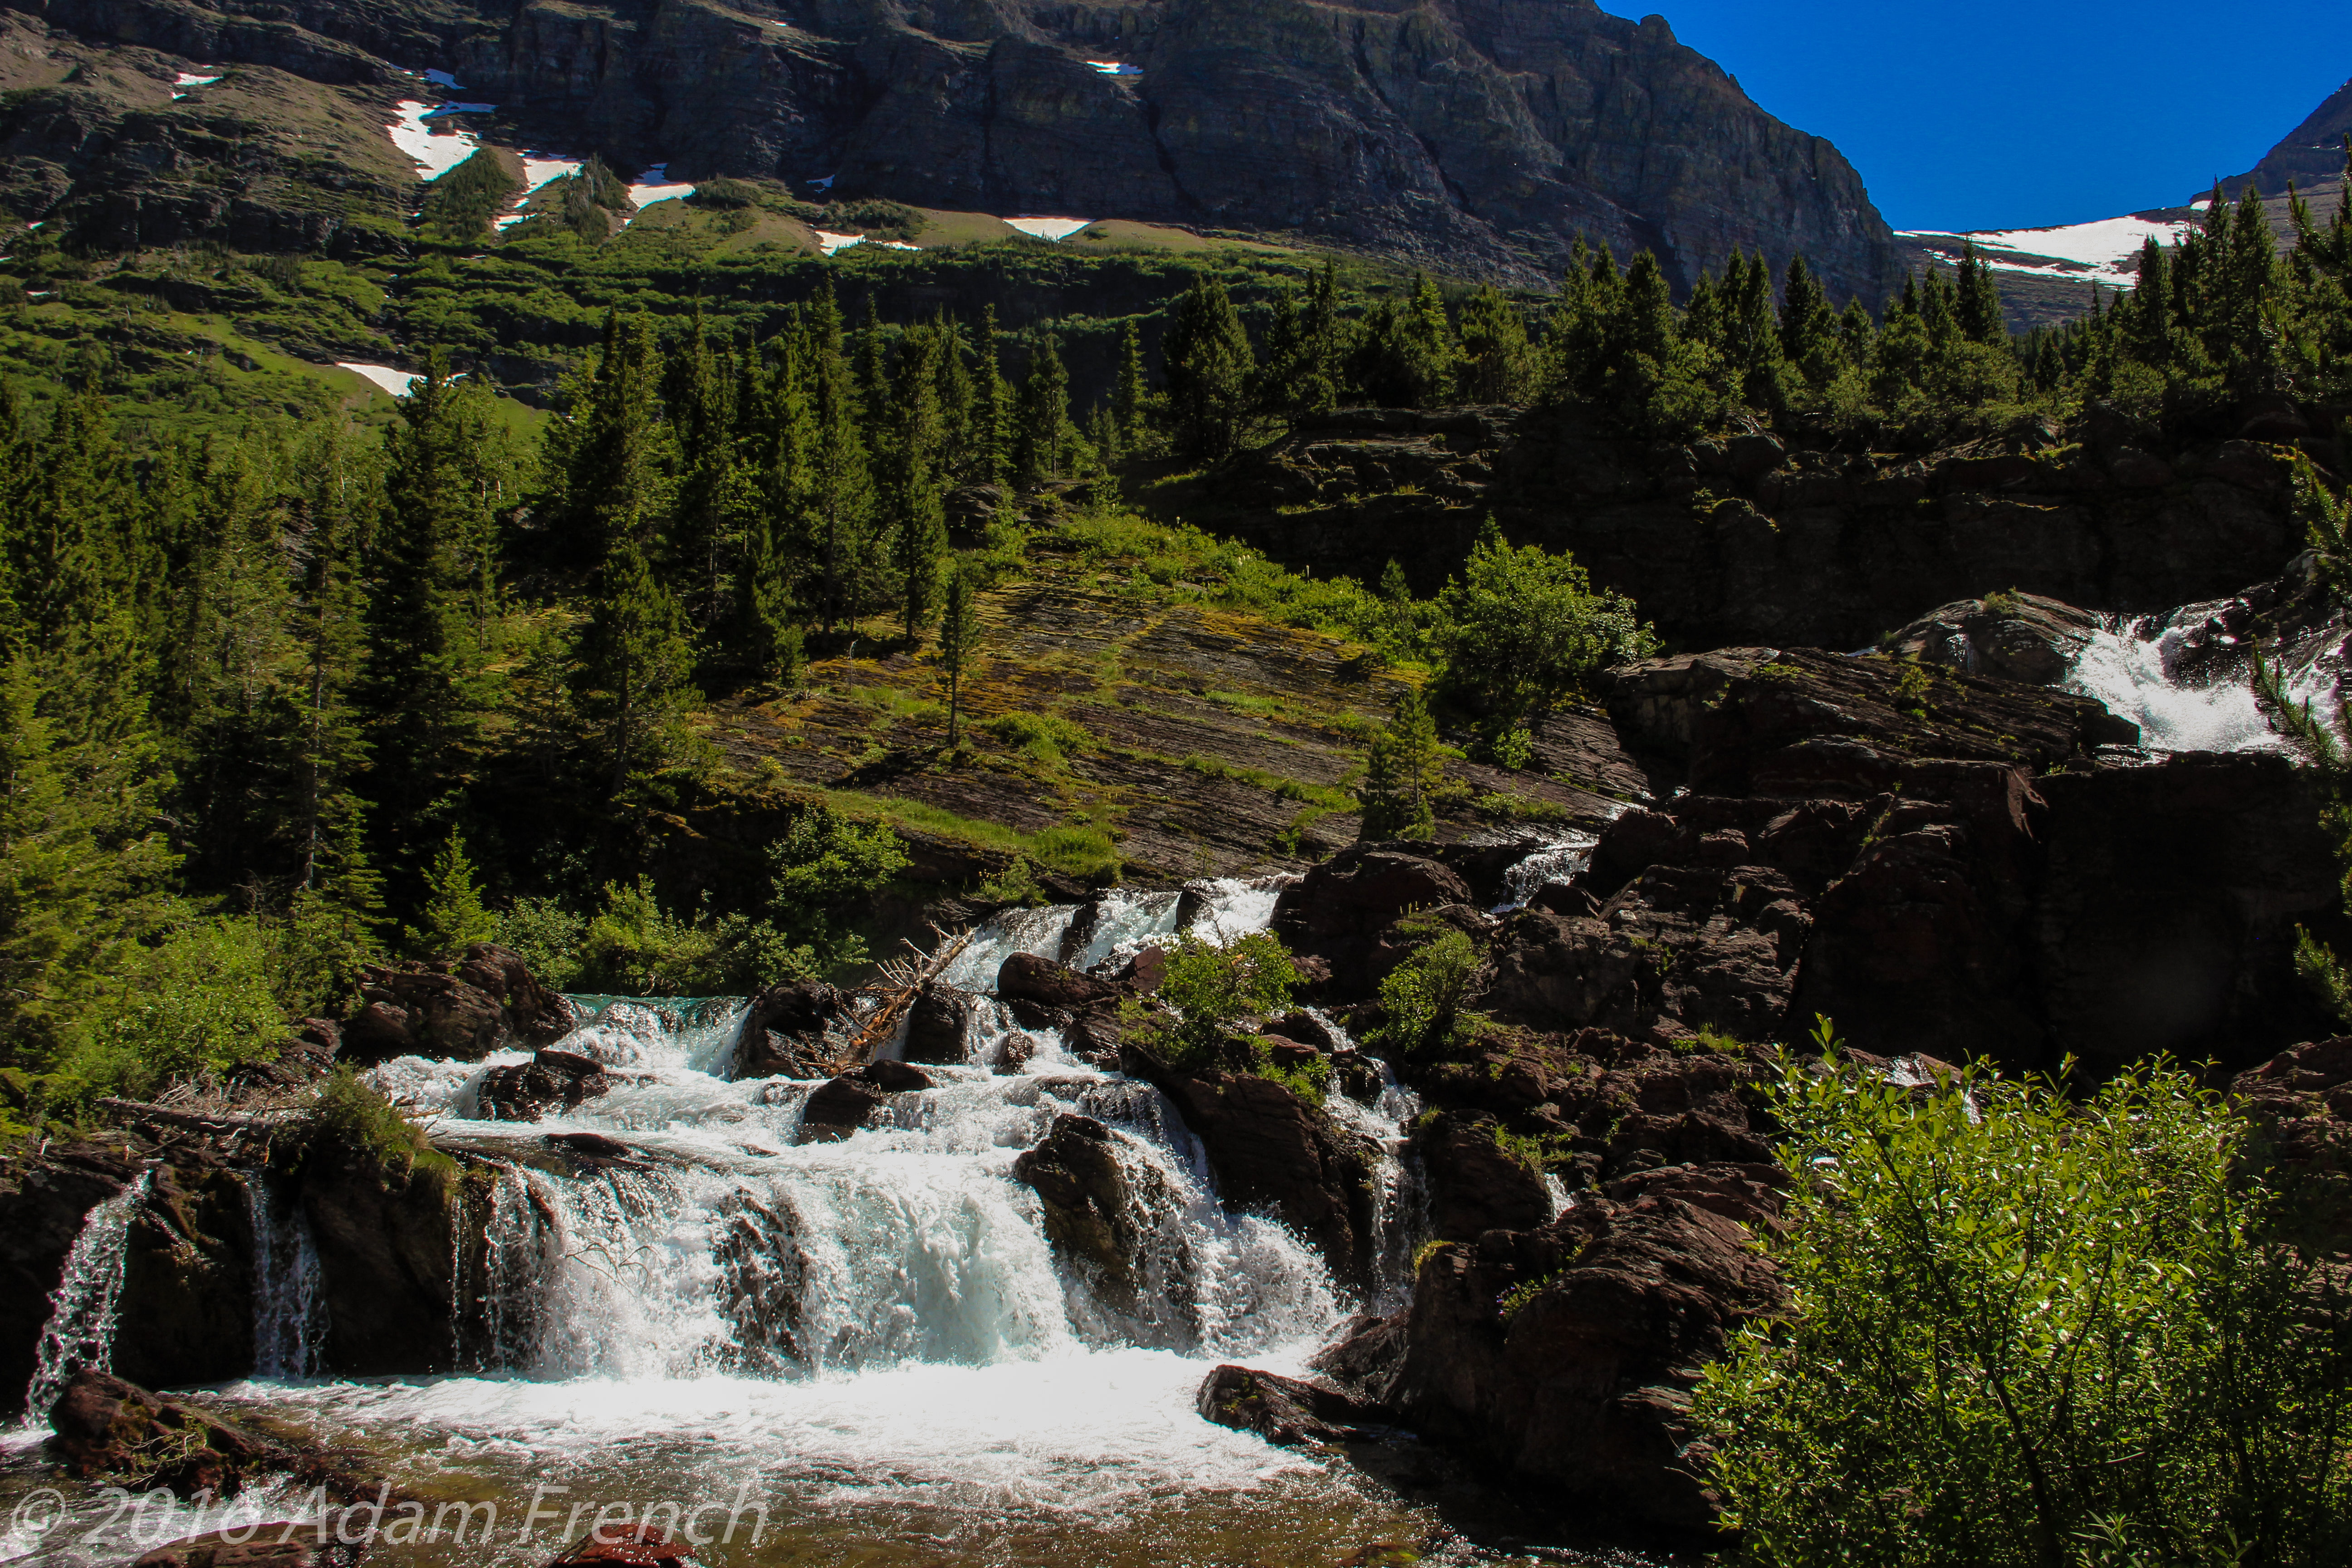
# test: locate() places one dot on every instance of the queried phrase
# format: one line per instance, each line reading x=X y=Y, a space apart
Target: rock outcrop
x=460 y=1010
x=108 y=1427
x=1779 y=540
x=550 y=1081
x=45 y=1199
x=1286 y=1411
x=1097 y=1207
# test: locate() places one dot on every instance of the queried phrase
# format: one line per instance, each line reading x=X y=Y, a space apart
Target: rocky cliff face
x=2311 y=154
x=1485 y=135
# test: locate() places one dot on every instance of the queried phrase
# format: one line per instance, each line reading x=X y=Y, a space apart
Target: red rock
x=629 y=1546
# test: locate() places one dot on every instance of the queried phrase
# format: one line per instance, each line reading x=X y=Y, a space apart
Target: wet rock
x=1286 y=1411
x=1015 y=1051
x=1024 y=977
x=1475 y=1185
x=1271 y=1150
x=2016 y=636
x=390 y=1234
x=939 y=1024
x=1566 y=1354
x=1365 y=1357
x=1088 y=1199
x=460 y=1010
x=849 y=1101
x=185 y=1312
x=785 y=1034
x=106 y=1427
x=591 y=1145
x=628 y=1546
x=279 y=1544
x=557 y=1081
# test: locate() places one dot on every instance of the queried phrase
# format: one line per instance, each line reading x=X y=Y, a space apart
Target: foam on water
x=2134 y=677
x=878 y=1317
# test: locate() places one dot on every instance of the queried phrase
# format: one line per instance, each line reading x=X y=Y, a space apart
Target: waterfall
x=883 y=1311
x=2137 y=669
x=1555 y=860
x=80 y=1330
x=289 y=1313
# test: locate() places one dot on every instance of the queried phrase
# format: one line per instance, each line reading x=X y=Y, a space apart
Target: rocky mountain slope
x=2307 y=155
x=1482 y=137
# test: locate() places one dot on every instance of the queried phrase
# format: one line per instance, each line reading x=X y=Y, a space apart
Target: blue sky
x=2005 y=114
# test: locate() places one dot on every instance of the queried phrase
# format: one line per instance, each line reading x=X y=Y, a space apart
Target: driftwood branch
x=902 y=981
x=200 y=1120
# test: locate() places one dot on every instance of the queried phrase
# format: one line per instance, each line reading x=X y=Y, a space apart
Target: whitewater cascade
x=2134 y=668
x=80 y=1330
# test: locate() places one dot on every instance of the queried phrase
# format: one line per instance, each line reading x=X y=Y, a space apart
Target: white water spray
x=79 y=1335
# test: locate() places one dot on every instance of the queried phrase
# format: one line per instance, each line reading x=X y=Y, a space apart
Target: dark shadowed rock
x=389 y=1236
x=939 y=1024
x=1338 y=912
x=845 y=1104
x=460 y=1010
x=1566 y=1354
x=551 y=1081
x=2166 y=918
x=185 y=1312
x=1024 y=977
x=2019 y=636
x=628 y=1546
x=1365 y=1358
x=785 y=1035
x=1285 y=1410
x=1474 y=1185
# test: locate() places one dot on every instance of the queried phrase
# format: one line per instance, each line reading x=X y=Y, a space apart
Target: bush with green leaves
x=200 y=1000
x=1523 y=630
x=1215 y=988
x=2027 y=1330
x=1422 y=999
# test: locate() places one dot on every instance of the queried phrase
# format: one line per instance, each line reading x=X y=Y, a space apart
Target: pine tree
x=959 y=641
x=453 y=918
x=1402 y=774
x=1977 y=308
x=871 y=357
x=993 y=411
x=417 y=691
x=632 y=669
x=772 y=641
x=1210 y=367
x=917 y=497
x=1043 y=447
x=839 y=491
x=1130 y=397
x=1809 y=333
x=1496 y=363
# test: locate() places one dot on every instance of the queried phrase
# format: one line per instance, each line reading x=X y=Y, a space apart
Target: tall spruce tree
x=959 y=641
x=1209 y=366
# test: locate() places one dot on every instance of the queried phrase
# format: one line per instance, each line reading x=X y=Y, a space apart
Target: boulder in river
x=785 y=1034
x=106 y=1427
x=459 y=1009
x=2016 y=636
x=628 y=1546
x=279 y=1544
x=939 y=1023
x=1286 y=1411
x=1088 y=1198
x=551 y=1081
x=845 y=1104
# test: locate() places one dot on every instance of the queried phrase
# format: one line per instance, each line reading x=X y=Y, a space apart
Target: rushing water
x=861 y=1350
x=2139 y=677
x=80 y=1330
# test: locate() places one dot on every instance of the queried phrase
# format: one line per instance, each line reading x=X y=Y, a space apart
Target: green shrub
x=1215 y=988
x=634 y=947
x=1524 y=630
x=1423 y=996
x=548 y=937
x=198 y=1001
x=1045 y=736
x=350 y=1113
x=2027 y=1330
